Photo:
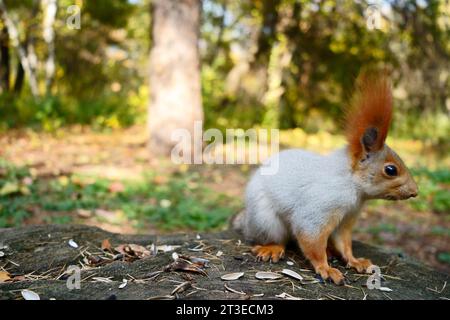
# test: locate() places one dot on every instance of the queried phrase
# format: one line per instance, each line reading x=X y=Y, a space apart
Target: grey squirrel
x=316 y=199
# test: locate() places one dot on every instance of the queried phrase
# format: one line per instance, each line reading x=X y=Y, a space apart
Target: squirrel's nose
x=413 y=194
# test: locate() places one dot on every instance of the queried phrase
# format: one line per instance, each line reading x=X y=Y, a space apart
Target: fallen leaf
x=292 y=274
x=2 y=254
x=184 y=265
x=4 y=276
x=133 y=251
x=386 y=289
x=232 y=276
x=290 y=263
x=219 y=253
x=264 y=275
x=30 y=295
x=106 y=245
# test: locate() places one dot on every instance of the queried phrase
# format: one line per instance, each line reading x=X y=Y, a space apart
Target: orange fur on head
x=371 y=107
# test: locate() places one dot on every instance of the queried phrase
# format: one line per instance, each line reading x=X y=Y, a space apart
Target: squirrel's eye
x=390 y=170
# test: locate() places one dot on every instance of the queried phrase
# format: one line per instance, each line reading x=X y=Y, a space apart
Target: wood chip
x=232 y=276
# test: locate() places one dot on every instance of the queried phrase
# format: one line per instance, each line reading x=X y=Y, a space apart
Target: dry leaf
x=263 y=275
x=4 y=276
x=183 y=265
x=106 y=245
x=2 y=254
x=232 y=276
x=30 y=295
x=133 y=251
x=385 y=289
x=292 y=274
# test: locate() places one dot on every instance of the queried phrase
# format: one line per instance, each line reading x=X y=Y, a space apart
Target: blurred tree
x=175 y=89
x=4 y=58
x=48 y=34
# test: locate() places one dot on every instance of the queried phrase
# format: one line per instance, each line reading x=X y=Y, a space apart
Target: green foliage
x=434 y=190
x=181 y=203
x=54 y=112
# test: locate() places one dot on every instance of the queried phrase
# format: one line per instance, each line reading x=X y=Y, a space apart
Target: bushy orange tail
x=371 y=107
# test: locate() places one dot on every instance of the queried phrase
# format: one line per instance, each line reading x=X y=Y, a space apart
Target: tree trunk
x=4 y=60
x=22 y=52
x=175 y=87
x=18 y=83
x=49 y=8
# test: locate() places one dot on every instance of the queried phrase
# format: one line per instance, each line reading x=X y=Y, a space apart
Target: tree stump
x=37 y=258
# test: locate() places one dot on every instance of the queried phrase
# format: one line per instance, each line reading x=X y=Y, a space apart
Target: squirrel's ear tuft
x=369 y=114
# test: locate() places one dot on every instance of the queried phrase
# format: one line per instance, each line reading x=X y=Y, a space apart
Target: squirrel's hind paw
x=331 y=273
x=274 y=252
x=360 y=264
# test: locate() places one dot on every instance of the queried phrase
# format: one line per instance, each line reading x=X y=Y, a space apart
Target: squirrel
x=316 y=199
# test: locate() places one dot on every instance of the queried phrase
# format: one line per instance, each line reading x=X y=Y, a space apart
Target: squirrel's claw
x=331 y=273
x=360 y=264
x=273 y=252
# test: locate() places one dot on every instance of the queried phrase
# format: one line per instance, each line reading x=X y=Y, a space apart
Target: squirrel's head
x=380 y=172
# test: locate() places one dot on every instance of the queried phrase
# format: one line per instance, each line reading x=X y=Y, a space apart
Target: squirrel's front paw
x=360 y=264
x=331 y=273
x=274 y=252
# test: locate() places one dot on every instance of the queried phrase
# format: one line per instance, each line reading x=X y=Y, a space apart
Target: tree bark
x=4 y=60
x=44 y=253
x=22 y=52
x=175 y=88
x=18 y=83
x=49 y=8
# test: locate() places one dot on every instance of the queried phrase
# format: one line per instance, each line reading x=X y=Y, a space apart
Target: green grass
x=182 y=202
x=434 y=190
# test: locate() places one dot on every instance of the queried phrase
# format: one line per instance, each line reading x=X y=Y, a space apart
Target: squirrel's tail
x=237 y=222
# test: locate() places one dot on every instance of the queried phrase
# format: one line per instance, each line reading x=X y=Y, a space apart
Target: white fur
x=301 y=197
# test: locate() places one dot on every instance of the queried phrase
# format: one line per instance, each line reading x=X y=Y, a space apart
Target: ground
x=187 y=266
x=107 y=179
